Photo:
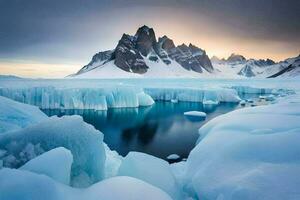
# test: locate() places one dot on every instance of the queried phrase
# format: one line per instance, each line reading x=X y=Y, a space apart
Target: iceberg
x=19 y=184
x=70 y=132
x=195 y=114
x=173 y=157
x=152 y=170
x=15 y=115
x=55 y=163
x=257 y=155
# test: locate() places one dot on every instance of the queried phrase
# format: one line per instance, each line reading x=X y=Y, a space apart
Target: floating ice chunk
x=19 y=184
x=55 y=163
x=151 y=170
x=262 y=97
x=174 y=100
x=71 y=132
x=195 y=114
x=257 y=156
x=15 y=115
x=243 y=103
x=210 y=102
x=173 y=157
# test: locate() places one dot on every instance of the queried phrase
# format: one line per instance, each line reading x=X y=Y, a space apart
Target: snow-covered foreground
x=251 y=153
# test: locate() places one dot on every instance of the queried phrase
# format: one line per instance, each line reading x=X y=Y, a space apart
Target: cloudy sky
x=53 y=38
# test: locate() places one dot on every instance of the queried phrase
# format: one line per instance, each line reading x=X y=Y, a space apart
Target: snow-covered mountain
x=142 y=55
x=237 y=65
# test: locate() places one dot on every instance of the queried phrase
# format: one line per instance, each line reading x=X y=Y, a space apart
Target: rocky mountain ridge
x=131 y=52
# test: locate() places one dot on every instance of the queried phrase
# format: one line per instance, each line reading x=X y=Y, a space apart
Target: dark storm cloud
x=46 y=28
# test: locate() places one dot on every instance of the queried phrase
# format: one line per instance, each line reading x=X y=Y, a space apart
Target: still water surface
x=160 y=130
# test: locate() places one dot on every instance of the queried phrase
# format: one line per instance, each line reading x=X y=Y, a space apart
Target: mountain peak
x=136 y=54
x=236 y=58
x=145 y=40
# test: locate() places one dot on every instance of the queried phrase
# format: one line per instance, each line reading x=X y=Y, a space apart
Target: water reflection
x=159 y=130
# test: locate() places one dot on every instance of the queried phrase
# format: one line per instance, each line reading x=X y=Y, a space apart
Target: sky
x=55 y=38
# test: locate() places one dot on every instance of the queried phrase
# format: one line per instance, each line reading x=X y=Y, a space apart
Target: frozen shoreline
x=245 y=154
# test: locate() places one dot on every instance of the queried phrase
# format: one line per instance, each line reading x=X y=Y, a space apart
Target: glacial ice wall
x=113 y=97
x=206 y=96
x=79 y=98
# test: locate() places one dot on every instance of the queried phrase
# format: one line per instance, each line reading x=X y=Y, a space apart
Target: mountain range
x=142 y=55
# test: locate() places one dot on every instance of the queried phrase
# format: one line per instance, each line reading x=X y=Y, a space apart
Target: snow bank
x=151 y=170
x=251 y=153
x=55 y=163
x=19 y=184
x=194 y=94
x=71 y=132
x=15 y=115
x=79 y=98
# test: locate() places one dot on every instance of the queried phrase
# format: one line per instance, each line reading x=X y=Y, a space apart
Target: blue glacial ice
x=71 y=132
x=55 y=163
x=15 y=115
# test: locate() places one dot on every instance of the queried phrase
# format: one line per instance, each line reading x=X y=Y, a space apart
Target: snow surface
x=19 y=184
x=251 y=153
x=156 y=69
x=15 y=115
x=55 y=163
x=151 y=170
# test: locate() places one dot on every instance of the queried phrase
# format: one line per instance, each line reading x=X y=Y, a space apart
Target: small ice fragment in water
x=262 y=97
x=195 y=114
x=173 y=157
x=243 y=103
x=174 y=100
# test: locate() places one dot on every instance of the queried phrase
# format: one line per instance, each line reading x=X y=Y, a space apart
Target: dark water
x=159 y=130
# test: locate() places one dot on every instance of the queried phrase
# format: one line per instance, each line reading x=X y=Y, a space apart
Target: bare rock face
x=97 y=60
x=189 y=57
x=127 y=57
x=145 y=40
